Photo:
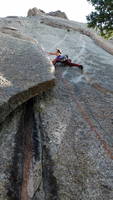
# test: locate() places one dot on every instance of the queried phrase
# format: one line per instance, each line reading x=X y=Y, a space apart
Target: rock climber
x=63 y=59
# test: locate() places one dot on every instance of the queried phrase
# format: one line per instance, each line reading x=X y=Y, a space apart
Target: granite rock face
x=24 y=69
x=57 y=142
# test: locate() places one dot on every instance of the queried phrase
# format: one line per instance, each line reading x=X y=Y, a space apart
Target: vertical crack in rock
x=37 y=140
x=22 y=155
x=27 y=148
x=32 y=175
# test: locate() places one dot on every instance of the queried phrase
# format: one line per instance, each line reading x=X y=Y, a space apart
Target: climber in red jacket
x=63 y=59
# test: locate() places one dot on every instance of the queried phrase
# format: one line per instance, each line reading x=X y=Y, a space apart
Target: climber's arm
x=52 y=53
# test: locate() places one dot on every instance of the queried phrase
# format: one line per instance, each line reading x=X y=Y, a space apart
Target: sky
x=75 y=9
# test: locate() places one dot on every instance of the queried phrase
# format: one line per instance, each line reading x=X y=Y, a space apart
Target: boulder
x=34 y=12
x=58 y=13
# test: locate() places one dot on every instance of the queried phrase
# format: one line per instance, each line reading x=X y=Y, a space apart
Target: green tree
x=102 y=17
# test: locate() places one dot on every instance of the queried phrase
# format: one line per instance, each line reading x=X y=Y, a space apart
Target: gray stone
x=24 y=70
x=58 y=13
x=8 y=131
x=34 y=12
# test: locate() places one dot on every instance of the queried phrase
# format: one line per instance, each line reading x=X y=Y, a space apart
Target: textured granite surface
x=25 y=71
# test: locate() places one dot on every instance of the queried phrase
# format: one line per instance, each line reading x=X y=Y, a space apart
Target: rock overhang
x=25 y=71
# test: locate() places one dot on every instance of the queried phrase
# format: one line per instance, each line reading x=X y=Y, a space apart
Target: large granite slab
x=25 y=71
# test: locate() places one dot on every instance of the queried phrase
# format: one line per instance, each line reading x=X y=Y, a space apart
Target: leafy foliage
x=102 y=17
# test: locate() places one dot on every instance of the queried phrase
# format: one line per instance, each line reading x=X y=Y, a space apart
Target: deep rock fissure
x=30 y=149
x=22 y=155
